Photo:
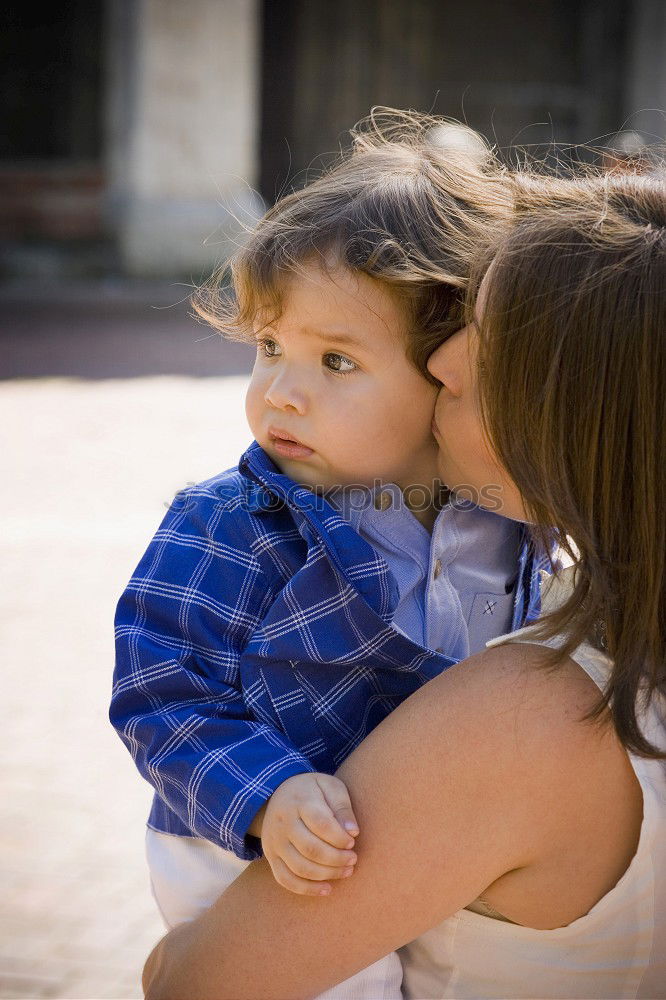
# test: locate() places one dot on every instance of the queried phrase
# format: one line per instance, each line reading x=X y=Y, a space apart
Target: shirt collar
x=266 y=487
x=360 y=505
x=269 y=489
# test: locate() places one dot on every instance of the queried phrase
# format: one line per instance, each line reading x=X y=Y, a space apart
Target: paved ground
x=88 y=466
x=109 y=329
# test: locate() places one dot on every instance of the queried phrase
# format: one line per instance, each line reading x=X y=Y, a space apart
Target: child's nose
x=284 y=394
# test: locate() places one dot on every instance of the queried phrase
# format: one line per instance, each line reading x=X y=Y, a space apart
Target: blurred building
x=137 y=131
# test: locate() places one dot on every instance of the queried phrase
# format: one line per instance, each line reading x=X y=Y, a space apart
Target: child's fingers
x=300 y=866
x=317 y=850
x=336 y=794
x=301 y=886
x=345 y=817
x=320 y=820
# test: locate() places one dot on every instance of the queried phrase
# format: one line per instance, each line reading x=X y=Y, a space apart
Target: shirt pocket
x=491 y=615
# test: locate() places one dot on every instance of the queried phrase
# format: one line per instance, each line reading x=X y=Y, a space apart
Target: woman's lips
x=289 y=447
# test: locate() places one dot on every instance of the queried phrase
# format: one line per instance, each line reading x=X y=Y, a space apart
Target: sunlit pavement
x=88 y=466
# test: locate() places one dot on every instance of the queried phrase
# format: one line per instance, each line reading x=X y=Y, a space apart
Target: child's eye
x=269 y=348
x=339 y=363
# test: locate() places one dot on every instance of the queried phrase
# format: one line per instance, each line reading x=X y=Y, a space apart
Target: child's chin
x=296 y=470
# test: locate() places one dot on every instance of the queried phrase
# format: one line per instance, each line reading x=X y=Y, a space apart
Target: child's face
x=332 y=375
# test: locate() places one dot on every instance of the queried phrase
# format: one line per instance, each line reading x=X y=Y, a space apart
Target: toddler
x=286 y=606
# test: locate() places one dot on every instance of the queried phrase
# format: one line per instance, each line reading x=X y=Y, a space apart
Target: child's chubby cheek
x=255 y=407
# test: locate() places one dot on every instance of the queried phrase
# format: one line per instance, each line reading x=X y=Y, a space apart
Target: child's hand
x=307 y=833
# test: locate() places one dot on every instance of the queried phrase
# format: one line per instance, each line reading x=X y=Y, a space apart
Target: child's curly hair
x=411 y=204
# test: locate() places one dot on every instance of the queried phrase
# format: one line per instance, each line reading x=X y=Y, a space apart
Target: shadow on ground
x=109 y=329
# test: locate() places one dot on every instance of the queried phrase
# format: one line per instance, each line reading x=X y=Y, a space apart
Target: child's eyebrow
x=341 y=338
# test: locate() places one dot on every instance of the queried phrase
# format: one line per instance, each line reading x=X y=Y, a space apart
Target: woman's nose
x=285 y=394
x=436 y=363
x=448 y=363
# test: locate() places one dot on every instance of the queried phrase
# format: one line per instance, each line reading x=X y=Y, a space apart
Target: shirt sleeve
x=177 y=704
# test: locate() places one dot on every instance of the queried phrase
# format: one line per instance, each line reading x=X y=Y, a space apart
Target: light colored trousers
x=188 y=874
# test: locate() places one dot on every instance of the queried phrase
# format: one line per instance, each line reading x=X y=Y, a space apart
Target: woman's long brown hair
x=573 y=396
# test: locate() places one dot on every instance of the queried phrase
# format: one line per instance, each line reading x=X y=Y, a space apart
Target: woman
x=511 y=810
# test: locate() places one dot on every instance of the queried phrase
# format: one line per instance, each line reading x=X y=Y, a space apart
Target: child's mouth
x=288 y=446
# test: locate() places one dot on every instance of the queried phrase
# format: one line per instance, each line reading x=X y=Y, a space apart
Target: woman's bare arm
x=452 y=791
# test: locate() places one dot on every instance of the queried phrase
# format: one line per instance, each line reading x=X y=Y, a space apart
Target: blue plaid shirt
x=254 y=642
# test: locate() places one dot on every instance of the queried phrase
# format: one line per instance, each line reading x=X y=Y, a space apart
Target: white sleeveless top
x=618 y=949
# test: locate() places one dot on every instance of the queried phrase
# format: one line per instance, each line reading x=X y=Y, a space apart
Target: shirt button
x=383 y=501
x=438 y=569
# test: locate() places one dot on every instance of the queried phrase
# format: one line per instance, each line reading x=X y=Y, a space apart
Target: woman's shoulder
x=538 y=650
x=518 y=687
x=505 y=721
x=534 y=719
